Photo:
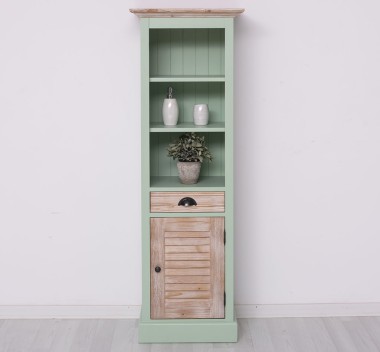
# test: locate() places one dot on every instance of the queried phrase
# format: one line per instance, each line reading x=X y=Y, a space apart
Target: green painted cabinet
x=187 y=253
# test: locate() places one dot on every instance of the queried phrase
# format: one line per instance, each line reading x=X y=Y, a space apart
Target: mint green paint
x=162 y=165
x=195 y=57
x=188 y=94
x=186 y=52
x=189 y=331
x=187 y=127
x=172 y=183
x=187 y=79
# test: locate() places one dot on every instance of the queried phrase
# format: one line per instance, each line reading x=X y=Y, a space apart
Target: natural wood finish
x=186 y=12
x=190 y=286
x=167 y=202
x=172 y=264
x=157 y=255
x=187 y=279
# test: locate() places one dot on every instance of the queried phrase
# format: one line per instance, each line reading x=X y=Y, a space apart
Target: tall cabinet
x=187 y=230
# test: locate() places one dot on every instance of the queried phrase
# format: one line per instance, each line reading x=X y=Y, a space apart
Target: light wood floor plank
x=372 y=325
x=362 y=339
x=281 y=337
x=103 y=337
x=319 y=336
x=339 y=335
x=45 y=335
x=21 y=334
x=84 y=335
x=125 y=337
x=64 y=335
x=261 y=335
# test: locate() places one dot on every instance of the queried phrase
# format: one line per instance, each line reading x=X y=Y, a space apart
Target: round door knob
x=157 y=269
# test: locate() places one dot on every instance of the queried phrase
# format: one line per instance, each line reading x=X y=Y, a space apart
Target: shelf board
x=187 y=127
x=187 y=79
x=172 y=183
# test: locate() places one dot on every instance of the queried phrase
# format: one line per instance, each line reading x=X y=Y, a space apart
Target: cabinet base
x=187 y=331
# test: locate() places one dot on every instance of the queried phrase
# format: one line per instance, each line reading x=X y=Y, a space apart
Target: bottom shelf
x=173 y=182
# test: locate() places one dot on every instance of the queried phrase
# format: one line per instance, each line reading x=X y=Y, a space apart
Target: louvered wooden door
x=187 y=268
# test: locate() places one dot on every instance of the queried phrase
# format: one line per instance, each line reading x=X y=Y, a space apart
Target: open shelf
x=188 y=94
x=187 y=79
x=215 y=183
x=187 y=127
x=196 y=54
x=163 y=169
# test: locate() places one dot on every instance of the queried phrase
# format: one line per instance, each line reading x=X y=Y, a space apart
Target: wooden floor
x=258 y=335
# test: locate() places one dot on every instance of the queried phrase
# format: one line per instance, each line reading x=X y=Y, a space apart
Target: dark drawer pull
x=187 y=202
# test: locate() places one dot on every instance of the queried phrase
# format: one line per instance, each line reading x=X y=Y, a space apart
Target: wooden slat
x=180 y=264
x=188 y=294
x=187 y=249
x=187 y=256
x=187 y=279
x=164 y=202
x=186 y=224
x=187 y=287
x=189 y=272
x=187 y=303
x=187 y=234
x=179 y=241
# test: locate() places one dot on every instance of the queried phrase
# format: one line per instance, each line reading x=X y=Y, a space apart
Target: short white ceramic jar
x=201 y=114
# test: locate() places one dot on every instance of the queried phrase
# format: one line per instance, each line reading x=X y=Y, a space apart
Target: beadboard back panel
x=197 y=52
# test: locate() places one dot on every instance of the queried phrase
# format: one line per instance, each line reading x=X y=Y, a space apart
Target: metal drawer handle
x=187 y=202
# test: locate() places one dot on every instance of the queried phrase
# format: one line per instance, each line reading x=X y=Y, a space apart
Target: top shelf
x=151 y=13
x=187 y=79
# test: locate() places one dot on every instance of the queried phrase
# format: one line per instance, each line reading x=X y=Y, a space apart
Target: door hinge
x=224 y=298
x=224 y=236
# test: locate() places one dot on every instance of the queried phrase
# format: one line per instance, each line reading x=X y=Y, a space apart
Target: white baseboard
x=242 y=311
x=307 y=310
x=69 y=312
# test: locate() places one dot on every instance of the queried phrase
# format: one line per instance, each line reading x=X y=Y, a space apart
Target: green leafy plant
x=189 y=147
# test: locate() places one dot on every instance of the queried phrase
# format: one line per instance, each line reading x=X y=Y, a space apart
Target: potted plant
x=190 y=150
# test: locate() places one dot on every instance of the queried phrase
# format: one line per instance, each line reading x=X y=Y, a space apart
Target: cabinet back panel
x=162 y=165
x=188 y=94
x=198 y=52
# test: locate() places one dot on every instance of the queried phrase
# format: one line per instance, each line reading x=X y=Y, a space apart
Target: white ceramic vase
x=200 y=114
x=170 y=111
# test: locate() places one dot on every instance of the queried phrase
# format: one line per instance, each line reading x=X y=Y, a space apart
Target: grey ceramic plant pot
x=188 y=172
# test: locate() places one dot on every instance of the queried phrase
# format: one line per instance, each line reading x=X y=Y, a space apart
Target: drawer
x=181 y=202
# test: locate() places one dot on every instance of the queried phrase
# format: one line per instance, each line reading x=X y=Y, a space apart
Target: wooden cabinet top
x=186 y=12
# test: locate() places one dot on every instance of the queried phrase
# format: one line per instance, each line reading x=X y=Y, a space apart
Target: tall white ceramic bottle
x=170 y=109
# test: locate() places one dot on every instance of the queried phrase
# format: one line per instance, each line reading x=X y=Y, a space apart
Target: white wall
x=307 y=151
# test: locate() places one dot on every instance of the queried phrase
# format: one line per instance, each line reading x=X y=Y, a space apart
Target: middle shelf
x=187 y=127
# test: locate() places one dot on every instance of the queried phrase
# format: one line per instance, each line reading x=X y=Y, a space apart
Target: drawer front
x=184 y=202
